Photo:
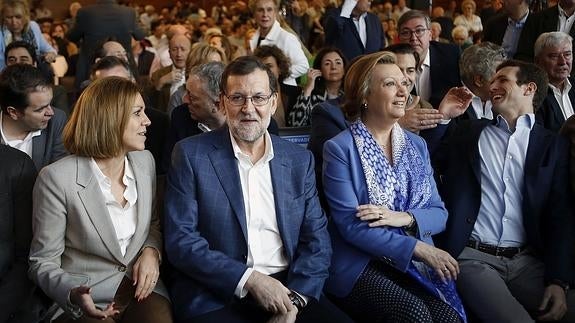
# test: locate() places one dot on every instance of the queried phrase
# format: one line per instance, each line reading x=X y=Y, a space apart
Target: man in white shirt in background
x=554 y=54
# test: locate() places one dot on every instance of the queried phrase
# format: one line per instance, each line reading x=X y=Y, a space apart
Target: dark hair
x=404 y=49
x=21 y=44
x=282 y=60
x=245 y=65
x=529 y=72
x=320 y=84
x=16 y=82
x=413 y=14
x=109 y=62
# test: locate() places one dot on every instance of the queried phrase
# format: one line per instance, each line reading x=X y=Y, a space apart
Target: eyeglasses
x=406 y=33
x=257 y=100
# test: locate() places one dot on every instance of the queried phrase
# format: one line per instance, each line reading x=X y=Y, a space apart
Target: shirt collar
x=273 y=33
x=268 y=152
x=525 y=121
x=520 y=23
x=130 y=194
x=566 y=89
x=562 y=12
x=31 y=134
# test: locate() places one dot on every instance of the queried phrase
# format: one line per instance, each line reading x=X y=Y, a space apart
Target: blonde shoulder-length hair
x=96 y=126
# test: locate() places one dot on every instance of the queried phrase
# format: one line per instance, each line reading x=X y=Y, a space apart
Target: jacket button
x=122 y=268
x=468 y=220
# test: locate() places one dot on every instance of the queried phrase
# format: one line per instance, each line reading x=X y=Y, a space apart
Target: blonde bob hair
x=96 y=126
x=358 y=81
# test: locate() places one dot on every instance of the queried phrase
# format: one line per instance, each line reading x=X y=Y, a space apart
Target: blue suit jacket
x=205 y=222
x=354 y=242
x=547 y=214
x=444 y=70
x=549 y=113
x=342 y=33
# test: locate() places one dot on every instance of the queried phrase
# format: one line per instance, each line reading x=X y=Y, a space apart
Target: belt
x=508 y=252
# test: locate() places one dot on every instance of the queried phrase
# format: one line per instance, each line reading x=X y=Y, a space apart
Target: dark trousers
x=153 y=309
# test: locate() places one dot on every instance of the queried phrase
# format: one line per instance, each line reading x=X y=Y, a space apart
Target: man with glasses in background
x=438 y=69
x=243 y=226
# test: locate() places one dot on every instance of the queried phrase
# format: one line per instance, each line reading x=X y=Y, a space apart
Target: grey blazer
x=48 y=147
x=74 y=242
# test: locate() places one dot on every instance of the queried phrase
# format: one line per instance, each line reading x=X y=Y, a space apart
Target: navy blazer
x=547 y=213
x=205 y=222
x=495 y=28
x=550 y=114
x=341 y=32
x=354 y=242
x=48 y=146
x=444 y=70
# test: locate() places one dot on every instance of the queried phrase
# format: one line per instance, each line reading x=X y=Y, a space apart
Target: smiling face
x=247 y=122
x=506 y=94
x=406 y=63
x=557 y=61
x=38 y=112
x=134 y=137
x=19 y=55
x=265 y=15
x=387 y=93
x=332 y=68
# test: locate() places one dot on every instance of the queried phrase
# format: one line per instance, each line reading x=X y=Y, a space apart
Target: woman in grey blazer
x=96 y=244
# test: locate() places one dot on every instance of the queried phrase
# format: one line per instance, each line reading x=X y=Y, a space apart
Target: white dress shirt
x=482 y=109
x=265 y=247
x=24 y=145
x=423 y=79
x=565 y=22
x=124 y=218
x=562 y=98
x=359 y=22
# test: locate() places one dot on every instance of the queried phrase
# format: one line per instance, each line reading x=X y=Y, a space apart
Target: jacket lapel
x=538 y=142
x=280 y=171
x=38 y=147
x=226 y=169
x=92 y=199
x=473 y=146
x=145 y=196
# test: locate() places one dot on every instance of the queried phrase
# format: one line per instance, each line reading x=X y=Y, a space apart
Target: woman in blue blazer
x=385 y=208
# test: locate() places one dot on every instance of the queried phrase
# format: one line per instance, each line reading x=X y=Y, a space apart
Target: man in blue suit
x=243 y=228
x=353 y=29
x=506 y=186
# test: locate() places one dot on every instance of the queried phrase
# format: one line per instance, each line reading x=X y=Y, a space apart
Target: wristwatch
x=296 y=300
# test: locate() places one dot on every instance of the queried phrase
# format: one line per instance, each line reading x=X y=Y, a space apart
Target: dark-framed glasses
x=258 y=100
x=406 y=33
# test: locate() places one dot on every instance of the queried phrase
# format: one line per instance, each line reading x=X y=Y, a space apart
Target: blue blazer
x=354 y=242
x=342 y=33
x=547 y=213
x=205 y=222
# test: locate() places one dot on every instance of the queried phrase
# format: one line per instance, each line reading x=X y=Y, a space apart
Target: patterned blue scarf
x=404 y=186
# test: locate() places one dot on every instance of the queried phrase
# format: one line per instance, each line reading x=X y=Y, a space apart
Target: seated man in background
x=554 y=54
x=264 y=255
x=27 y=121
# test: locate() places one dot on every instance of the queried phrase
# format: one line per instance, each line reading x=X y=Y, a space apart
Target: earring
x=364 y=106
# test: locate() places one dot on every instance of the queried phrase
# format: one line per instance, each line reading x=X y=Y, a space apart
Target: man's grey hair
x=412 y=14
x=481 y=59
x=211 y=75
x=554 y=38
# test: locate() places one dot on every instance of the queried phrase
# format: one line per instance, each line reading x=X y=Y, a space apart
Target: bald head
x=180 y=46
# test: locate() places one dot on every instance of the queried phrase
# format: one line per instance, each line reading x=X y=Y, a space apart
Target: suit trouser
x=500 y=289
x=153 y=309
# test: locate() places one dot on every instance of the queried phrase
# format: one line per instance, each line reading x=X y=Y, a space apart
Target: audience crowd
x=287 y=161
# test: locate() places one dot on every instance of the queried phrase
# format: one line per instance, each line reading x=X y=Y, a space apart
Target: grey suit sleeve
x=48 y=242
